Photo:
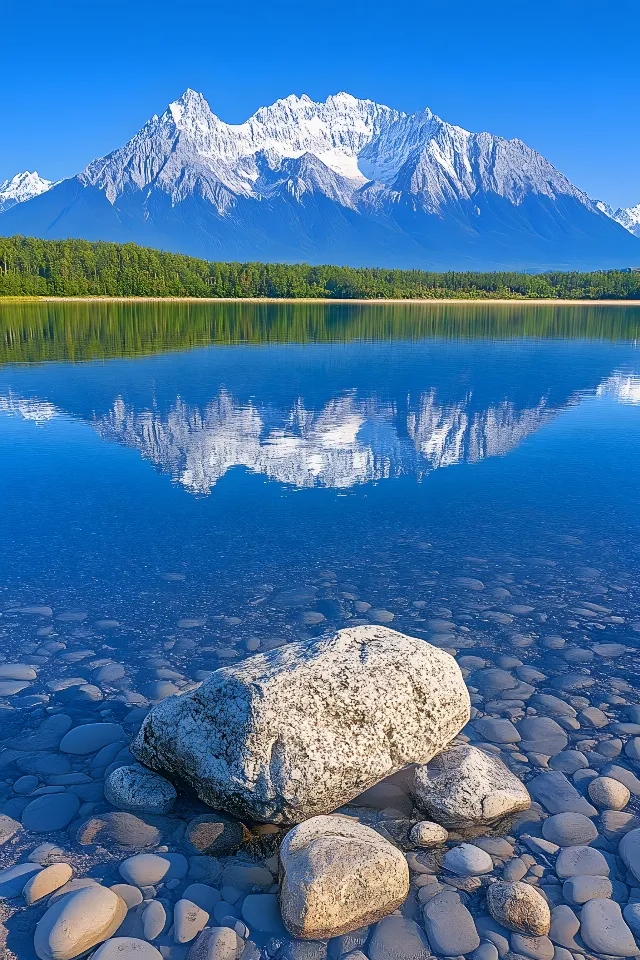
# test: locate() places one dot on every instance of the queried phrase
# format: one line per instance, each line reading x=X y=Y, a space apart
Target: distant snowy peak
x=627 y=217
x=22 y=187
x=344 y=144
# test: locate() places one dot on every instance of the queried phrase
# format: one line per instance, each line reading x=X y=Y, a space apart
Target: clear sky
x=78 y=79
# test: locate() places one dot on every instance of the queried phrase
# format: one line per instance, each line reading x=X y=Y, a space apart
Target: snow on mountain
x=627 y=217
x=344 y=180
x=22 y=187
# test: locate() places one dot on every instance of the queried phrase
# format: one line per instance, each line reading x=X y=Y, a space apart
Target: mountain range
x=342 y=181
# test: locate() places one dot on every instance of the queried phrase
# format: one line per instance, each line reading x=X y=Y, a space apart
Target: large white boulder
x=303 y=729
x=465 y=785
x=337 y=876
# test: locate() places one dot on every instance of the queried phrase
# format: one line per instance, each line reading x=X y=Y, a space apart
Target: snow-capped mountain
x=347 y=180
x=22 y=187
x=627 y=217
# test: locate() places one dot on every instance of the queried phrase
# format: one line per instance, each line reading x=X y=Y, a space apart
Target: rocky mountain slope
x=347 y=180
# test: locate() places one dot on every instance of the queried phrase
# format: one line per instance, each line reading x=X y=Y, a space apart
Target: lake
x=182 y=485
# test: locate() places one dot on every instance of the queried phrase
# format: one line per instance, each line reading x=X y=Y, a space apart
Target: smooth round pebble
x=188 y=920
x=467 y=860
x=576 y=861
x=428 y=834
x=261 y=911
x=569 y=830
x=13 y=879
x=46 y=881
x=91 y=737
x=604 y=930
x=131 y=895
x=127 y=948
x=608 y=794
x=50 y=812
x=519 y=907
x=146 y=869
x=78 y=922
x=578 y=890
x=154 y=919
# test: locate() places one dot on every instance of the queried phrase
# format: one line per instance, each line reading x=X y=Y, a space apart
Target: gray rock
x=215 y=943
x=205 y=896
x=631 y=914
x=8 y=826
x=608 y=793
x=467 y=860
x=486 y=951
x=91 y=737
x=306 y=727
x=465 y=785
x=603 y=929
x=449 y=925
x=497 y=730
x=541 y=735
x=122 y=830
x=557 y=795
x=398 y=938
x=145 y=869
x=428 y=834
x=539 y=948
x=578 y=890
x=50 y=812
x=564 y=927
x=336 y=876
x=578 y=861
x=77 y=922
x=261 y=912
x=154 y=919
x=569 y=830
x=629 y=851
x=216 y=835
x=188 y=920
x=519 y=907
x=139 y=790
x=126 y=948
x=13 y=879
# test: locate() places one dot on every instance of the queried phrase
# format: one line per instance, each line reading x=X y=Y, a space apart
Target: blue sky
x=79 y=79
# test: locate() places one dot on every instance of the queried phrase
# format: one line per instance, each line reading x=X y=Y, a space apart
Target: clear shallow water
x=181 y=486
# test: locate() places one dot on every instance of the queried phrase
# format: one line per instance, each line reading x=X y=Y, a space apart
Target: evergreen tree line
x=74 y=268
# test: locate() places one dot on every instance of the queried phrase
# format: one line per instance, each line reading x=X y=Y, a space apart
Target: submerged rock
x=337 y=876
x=303 y=729
x=464 y=785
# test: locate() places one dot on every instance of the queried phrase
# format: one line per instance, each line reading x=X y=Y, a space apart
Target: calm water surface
x=255 y=469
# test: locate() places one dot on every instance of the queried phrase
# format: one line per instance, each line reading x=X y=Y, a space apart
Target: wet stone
x=569 y=829
x=450 y=927
x=578 y=861
x=604 y=930
x=217 y=835
x=49 y=813
x=91 y=737
x=467 y=860
x=398 y=938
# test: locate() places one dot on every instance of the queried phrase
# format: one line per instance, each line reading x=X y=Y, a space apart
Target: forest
x=81 y=268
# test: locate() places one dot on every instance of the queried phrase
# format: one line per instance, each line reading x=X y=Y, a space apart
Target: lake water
x=185 y=484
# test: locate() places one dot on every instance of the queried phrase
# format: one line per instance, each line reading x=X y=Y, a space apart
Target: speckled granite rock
x=464 y=785
x=337 y=876
x=304 y=728
x=139 y=790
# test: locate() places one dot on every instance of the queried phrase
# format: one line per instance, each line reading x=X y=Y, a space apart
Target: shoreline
x=491 y=301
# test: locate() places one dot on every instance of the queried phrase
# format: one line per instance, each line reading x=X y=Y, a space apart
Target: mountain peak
x=23 y=186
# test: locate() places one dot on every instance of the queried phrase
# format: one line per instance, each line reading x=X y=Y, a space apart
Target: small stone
x=629 y=851
x=580 y=889
x=541 y=735
x=337 y=876
x=497 y=730
x=569 y=830
x=564 y=927
x=428 y=834
x=397 y=938
x=467 y=860
x=519 y=907
x=188 y=920
x=91 y=737
x=119 y=829
x=464 y=785
x=139 y=790
x=154 y=919
x=131 y=895
x=631 y=914
x=126 y=948
x=50 y=812
x=46 y=881
x=203 y=895
x=77 y=922
x=216 y=835
x=608 y=793
x=578 y=861
x=215 y=943
x=514 y=870
x=449 y=925
x=13 y=879
x=603 y=929
x=261 y=912
x=144 y=869
x=539 y=948
x=557 y=795
x=8 y=826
